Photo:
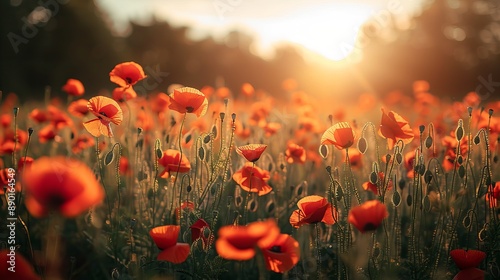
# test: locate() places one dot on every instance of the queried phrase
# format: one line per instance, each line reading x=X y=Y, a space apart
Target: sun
x=329 y=31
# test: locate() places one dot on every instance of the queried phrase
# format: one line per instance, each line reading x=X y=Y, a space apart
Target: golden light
x=327 y=30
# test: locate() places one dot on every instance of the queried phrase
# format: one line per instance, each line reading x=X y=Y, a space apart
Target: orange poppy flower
x=341 y=135
x=107 y=111
x=188 y=100
x=470 y=274
x=465 y=259
x=81 y=143
x=78 y=108
x=239 y=242
x=207 y=91
x=58 y=118
x=127 y=74
x=5 y=120
x=313 y=209
x=241 y=130
x=251 y=152
x=58 y=183
x=295 y=154
x=165 y=238
x=271 y=128
x=282 y=255
x=47 y=133
x=124 y=93
x=74 y=87
x=24 y=163
x=172 y=161
x=197 y=232
x=160 y=102
x=23 y=270
x=394 y=128
x=10 y=143
x=38 y=115
x=367 y=216
x=253 y=179
x=247 y=89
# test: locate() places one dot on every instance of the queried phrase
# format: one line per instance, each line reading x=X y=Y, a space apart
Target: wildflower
x=124 y=93
x=38 y=115
x=251 y=152
x=271 y=128
x=247 y=89
x=394 y=128
x=197 y=232
x=239 y=242
x=282 y=255
x=74 y=87
x=470 y=274
x=253 y=179
x=57 y=183
x=81 y=143
x=165 y=238
x=47 y=133
x=313 y=209
x=467 y=258
x=5 y=120
x=23 y=269
x=172 y=161
x=58 y=118
x=127 y=74
x=107 y=111
x=450 y=143
x=160 y=102
x=341 y=135
x=79 y=108
x=367 y=216
x=13 y=141
x=295 y=154
x=188 y=100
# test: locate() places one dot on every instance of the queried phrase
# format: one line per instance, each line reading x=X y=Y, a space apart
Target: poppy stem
x=318 y=249
x=247 y=197
x=179 y=165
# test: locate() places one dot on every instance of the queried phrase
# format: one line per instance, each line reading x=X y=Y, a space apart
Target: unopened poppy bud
x=30 y=131
x=233 y=117
x=16 y=110
x=222 y=116
x=490 y=112
x=421 y=128
x=469 y=109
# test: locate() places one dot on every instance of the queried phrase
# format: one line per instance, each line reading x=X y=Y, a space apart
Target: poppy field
x=219 y=183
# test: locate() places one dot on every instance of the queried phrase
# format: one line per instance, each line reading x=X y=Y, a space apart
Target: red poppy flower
x=241 y=130
x=47 y=133
x=188 y=100
x=251 y=152
x=470 y=274
x=165 y=238
x=282 y=255
x=58 y=118
x=369 y=186
x=78 y=108
x=340 y=135
x=313 y=209
x=10 y=143
x=22 y=269
x=24 y=163
x=172 y=161
x=126 y=74
x=107 y=111
x=65 y=185
x=197 y=232
x=253 y=179
x=239 y=242
x=38 y=115
x=5 y=120
x=394 y=128
x=465 y=259
x=74 y=87
x=81 y=143
x=124 y=93
x=6 y=177
x=367 y=216
x=295 y=154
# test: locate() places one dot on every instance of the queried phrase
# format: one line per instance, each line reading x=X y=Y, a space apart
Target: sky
x=325 y=28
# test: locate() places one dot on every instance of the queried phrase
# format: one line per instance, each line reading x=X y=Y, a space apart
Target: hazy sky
x=326 y=27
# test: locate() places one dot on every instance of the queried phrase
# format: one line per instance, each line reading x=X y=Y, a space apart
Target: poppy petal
x=175 y=254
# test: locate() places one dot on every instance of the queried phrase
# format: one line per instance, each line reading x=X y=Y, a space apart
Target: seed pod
x=108 y=159
x=396 y=199
x=428 y=142
x=362 y=145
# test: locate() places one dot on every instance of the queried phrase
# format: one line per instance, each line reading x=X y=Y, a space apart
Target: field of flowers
x=213 y=184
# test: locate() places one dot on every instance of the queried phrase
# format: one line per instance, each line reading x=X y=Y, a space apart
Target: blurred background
x=331 y=48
